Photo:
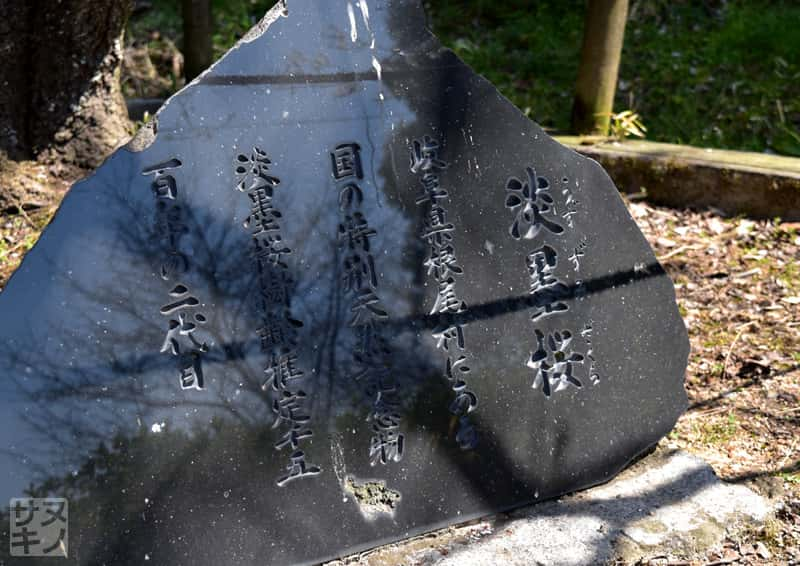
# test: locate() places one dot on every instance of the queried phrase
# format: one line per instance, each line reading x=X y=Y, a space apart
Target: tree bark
x=197 y=30
x=603 y=36
x=60 y=98
x=15 y=17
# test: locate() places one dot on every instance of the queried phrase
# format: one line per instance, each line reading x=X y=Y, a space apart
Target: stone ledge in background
x=734 y=182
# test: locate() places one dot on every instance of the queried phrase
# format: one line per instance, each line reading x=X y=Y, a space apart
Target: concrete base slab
x=670 y=503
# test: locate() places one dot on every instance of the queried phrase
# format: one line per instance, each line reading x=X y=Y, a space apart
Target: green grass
x=791 y=478
x=717 y=431
x=713 y=73
x=724 y=76
x=529 y=50
x=232 y=19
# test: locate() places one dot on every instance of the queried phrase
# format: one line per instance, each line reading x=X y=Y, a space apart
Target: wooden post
x=197 y=30
x=603 y=35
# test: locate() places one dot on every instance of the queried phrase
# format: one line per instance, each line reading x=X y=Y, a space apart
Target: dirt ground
x=29 y=196
x=738 y=288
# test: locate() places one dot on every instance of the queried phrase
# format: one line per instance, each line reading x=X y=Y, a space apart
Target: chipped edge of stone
x=147 y=135
x=373 y=497
x=279 y=9
x=143 y=139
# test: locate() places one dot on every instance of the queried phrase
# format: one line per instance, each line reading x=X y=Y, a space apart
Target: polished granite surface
x=349 y=294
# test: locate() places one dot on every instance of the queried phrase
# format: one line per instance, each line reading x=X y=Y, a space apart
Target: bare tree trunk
x=60 y=98
x=197 y=30
x=15 y=18
x=597 y=75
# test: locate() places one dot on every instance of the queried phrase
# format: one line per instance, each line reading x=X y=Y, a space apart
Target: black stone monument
x=348 y=294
